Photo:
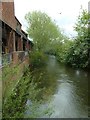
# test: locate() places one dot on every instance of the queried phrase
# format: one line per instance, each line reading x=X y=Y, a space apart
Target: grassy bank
x=15 y=101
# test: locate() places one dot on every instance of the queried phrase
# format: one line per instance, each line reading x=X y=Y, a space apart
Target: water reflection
x=67 y=89
x=77 y=72
x=66 y=103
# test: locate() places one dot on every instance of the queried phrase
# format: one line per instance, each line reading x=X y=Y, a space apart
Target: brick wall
x=0 y=10
x=8 y=14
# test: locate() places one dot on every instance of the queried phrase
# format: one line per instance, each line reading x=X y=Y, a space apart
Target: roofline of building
x=18 y=20
x=24 y=32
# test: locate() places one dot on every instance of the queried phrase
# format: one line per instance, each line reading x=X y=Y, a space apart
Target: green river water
x=65 y=90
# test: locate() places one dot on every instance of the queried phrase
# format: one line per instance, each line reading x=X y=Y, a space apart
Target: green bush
x=15 y=104
x=37 y=58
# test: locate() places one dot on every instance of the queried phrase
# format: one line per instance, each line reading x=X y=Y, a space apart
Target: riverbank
x=53 y=91
x=65 y=88
x=14 y=103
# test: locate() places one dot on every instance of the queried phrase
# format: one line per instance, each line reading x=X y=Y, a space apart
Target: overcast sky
x=69 y=10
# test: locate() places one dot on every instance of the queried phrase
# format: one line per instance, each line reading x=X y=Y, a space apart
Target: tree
x=79 y=52
x=41 y=29
x=81 y=27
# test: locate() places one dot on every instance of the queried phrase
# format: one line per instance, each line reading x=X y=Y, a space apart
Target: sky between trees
x=63 y=12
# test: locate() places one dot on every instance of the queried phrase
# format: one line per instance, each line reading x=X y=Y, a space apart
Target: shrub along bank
x=77 y=52
x=37 y=58
x=14 y=104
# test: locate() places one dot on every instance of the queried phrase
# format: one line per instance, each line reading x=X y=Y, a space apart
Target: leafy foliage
x=48 y=38
x=37 y=58
x=79 y=52
x=14 y=106
x=14 y=103
x=41 y=29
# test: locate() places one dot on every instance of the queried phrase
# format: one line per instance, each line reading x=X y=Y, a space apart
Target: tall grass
x=15 y=103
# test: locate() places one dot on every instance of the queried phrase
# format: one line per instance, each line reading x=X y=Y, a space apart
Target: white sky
x=69 y=10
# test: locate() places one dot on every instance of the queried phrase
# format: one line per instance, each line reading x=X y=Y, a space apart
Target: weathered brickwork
x=0 y=10
x=8 y=14
x=15 y=44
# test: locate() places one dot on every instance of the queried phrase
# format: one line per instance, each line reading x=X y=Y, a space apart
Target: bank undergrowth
x=15 y=103
x=37 y=58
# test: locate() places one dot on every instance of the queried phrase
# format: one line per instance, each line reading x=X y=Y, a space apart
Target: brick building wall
x=15 y=44
x=8 y=14
x=0 y=10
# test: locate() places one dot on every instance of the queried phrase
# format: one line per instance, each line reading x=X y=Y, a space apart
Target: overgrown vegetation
x=41 y=29
x=14 y=104
x=9 y=74
x=49 y=38
x=37 y=58
x=76 y=52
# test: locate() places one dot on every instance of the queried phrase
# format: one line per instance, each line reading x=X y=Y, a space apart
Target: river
x=65 y=89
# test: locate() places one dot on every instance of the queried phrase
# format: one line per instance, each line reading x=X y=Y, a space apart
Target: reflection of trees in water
x=79 y=79
x=49 y=77
x=46 y=82
x=66 y=85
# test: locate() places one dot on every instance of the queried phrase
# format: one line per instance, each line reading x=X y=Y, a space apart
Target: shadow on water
x=64 y=87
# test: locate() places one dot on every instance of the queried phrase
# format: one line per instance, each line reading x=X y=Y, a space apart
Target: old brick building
x=15 y=43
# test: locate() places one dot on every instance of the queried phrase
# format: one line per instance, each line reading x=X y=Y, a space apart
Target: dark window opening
x=4 y=45
x=23 y=46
